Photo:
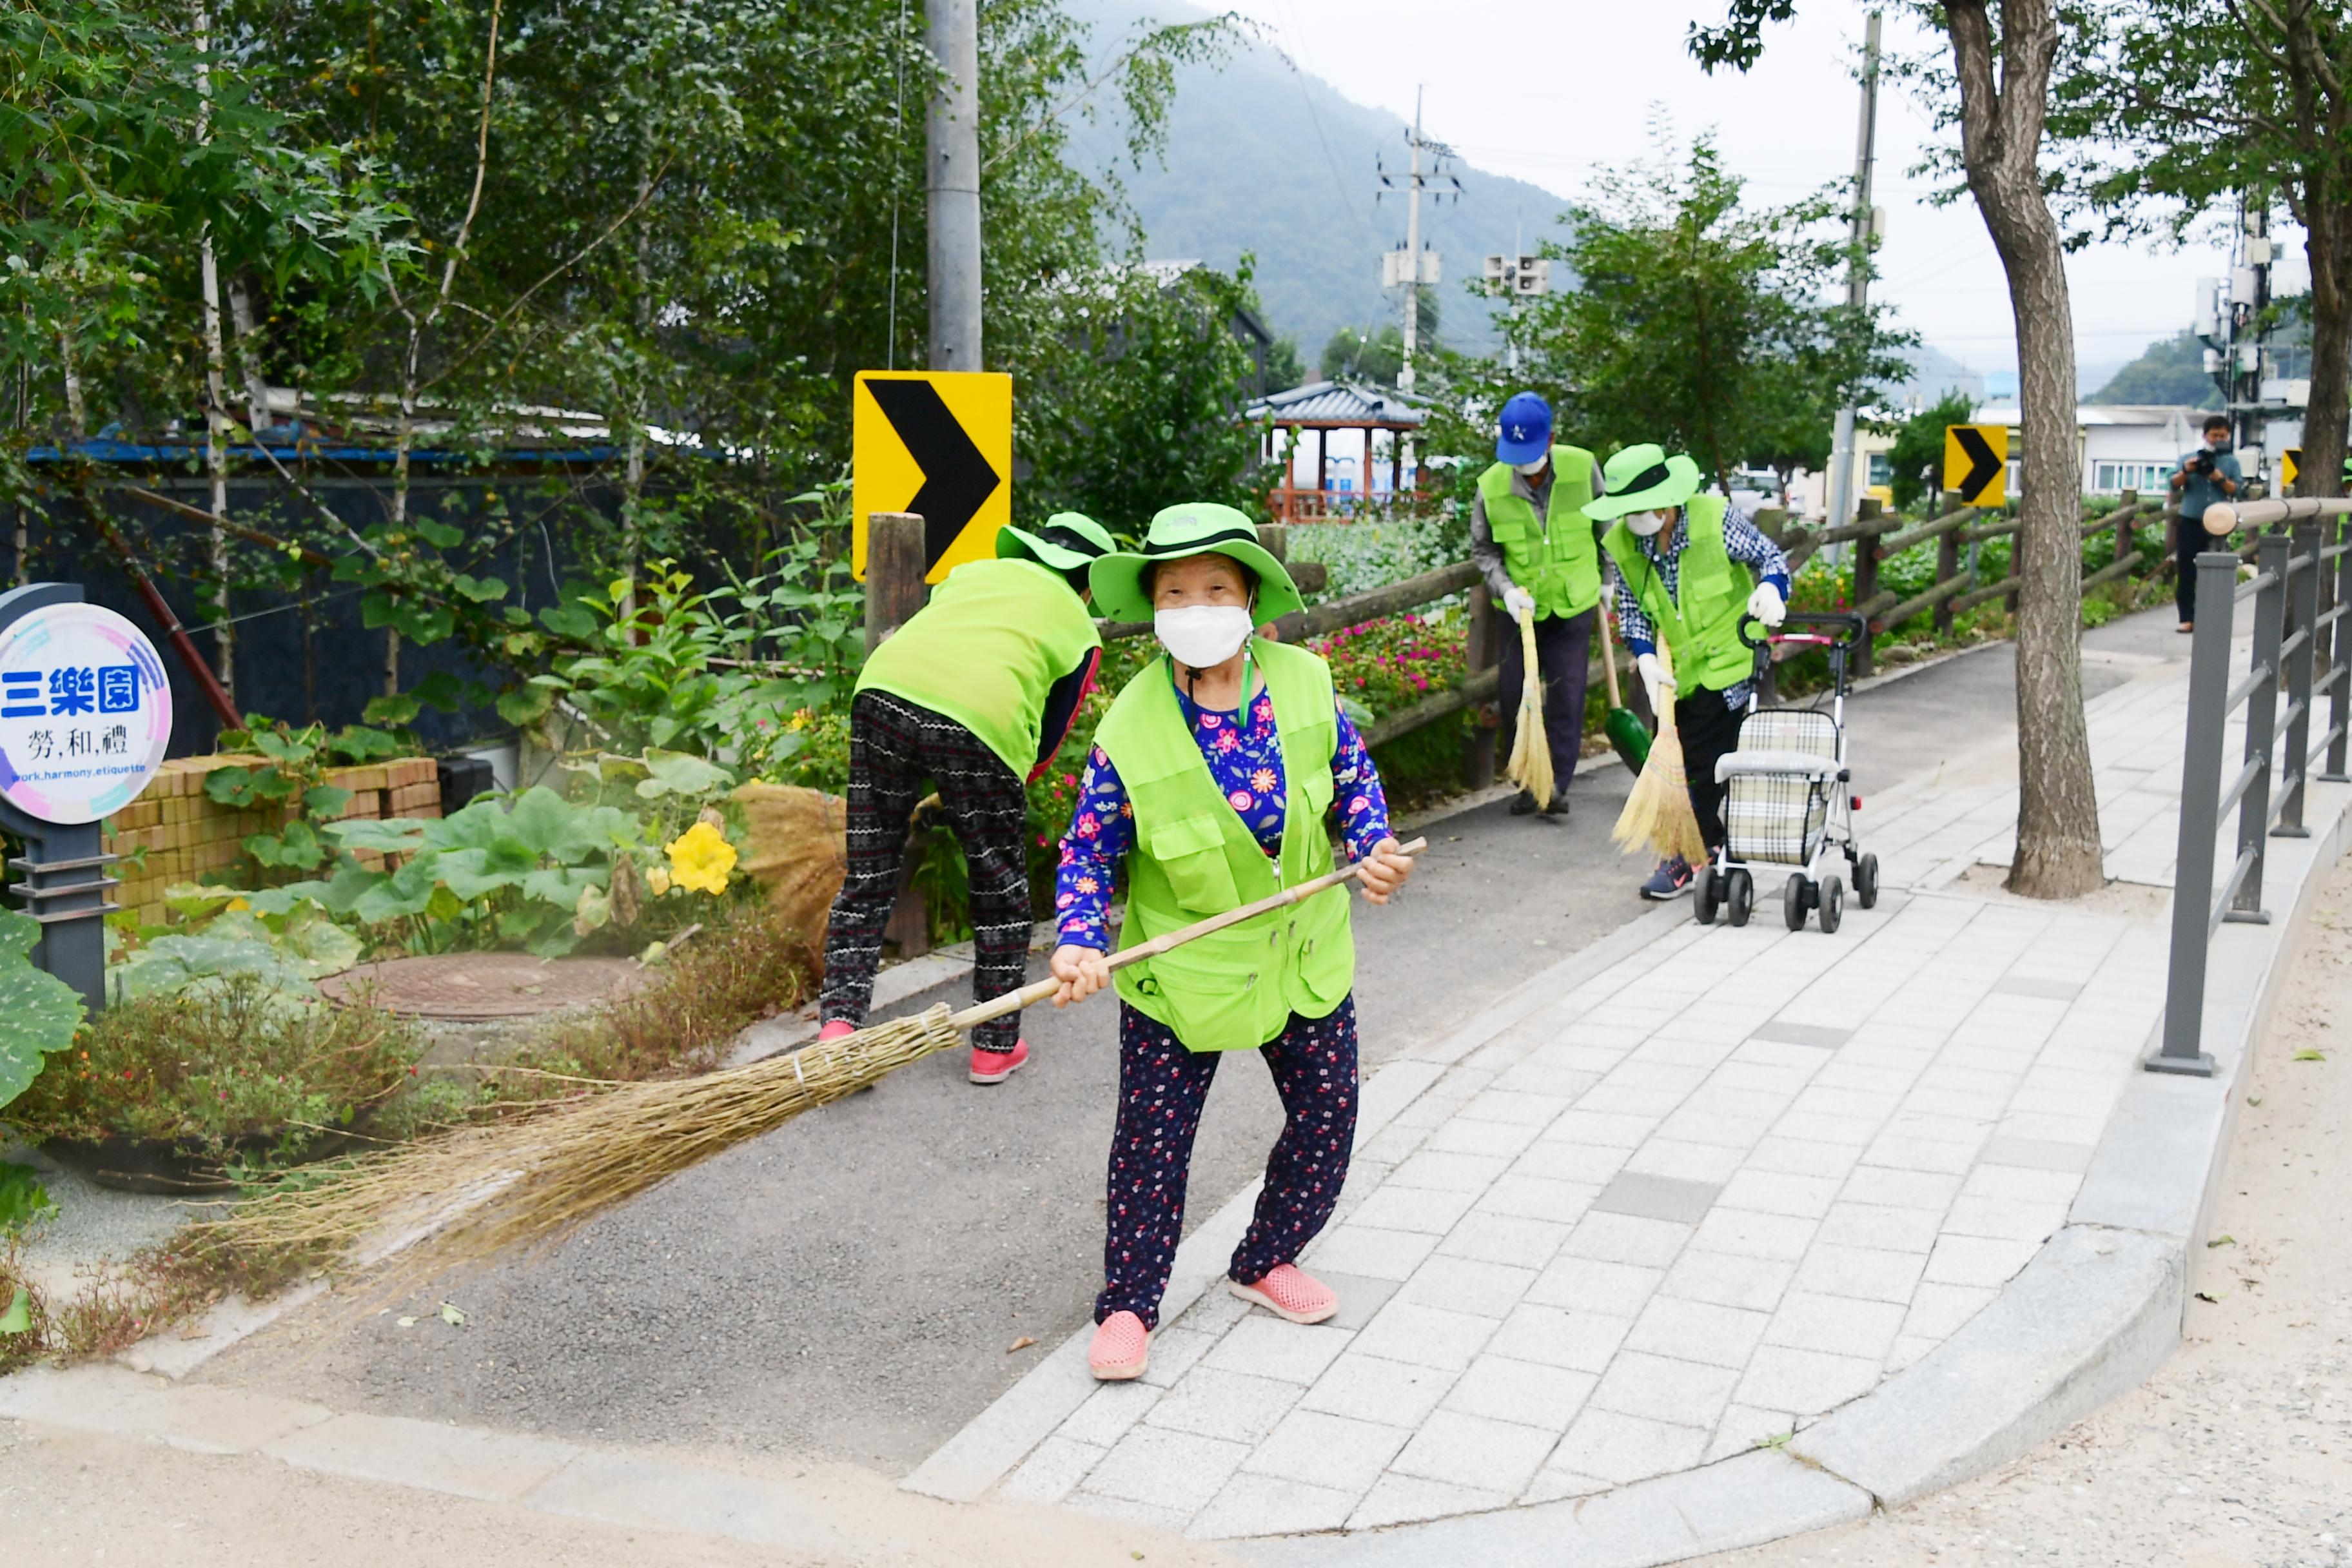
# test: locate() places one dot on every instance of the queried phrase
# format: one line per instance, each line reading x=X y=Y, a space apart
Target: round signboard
x=85 y=712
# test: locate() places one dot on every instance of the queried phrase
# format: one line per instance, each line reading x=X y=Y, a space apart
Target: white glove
x=1767 y=605
x=1654 y=676
x=1517 y=603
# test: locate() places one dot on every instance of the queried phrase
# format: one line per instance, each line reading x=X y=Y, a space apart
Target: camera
x=2201 y=463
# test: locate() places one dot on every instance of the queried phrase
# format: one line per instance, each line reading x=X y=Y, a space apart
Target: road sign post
x=1976 y=463
x=937 y=445
x=85 y=719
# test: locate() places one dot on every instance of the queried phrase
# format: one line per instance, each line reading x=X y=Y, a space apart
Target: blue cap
x=1523 y=433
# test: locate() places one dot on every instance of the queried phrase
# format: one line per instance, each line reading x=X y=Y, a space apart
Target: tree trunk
x=2058 y=854
x=2328 y=243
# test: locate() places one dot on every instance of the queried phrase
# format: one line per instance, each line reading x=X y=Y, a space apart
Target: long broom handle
x=1042 y=990
x=1608 y=655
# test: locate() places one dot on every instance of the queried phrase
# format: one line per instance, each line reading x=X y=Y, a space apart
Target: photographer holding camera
x=2207 y=475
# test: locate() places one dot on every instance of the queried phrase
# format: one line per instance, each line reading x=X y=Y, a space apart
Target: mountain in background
x=1266 y=159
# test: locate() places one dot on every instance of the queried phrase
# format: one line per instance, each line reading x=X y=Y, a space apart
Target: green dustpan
x=1628 y=736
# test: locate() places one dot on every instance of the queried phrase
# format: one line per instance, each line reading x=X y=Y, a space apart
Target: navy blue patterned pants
x=1161 y=1087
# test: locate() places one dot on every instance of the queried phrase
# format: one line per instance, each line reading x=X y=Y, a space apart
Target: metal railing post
x=2339 y=659
x=2262 y=721
x=2201 y=802
x=2302 y=626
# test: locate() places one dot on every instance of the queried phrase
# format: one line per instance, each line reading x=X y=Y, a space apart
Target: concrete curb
x=605 y=1485
x=2094 y=1312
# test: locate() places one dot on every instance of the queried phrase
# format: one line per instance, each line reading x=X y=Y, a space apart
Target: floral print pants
x=1161 y=1087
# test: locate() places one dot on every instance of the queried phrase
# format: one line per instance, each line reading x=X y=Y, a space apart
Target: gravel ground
x=2237 y=1452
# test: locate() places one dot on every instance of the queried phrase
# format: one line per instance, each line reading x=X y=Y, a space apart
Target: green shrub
x=225 y=1070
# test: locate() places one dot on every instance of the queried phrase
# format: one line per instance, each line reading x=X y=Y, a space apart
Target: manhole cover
x=467 y=985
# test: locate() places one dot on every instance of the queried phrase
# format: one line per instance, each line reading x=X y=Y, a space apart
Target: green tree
x=1697 y=321
x=1351 y=355
x=1915 y=462
x=1996 y=90
x=1283 y=367
x=1141 y=408
x=2177 y=110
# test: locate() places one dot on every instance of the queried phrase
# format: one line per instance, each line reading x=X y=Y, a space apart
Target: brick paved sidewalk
x=1683 y=1207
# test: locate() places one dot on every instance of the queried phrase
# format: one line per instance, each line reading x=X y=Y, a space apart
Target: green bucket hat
x=1193 y=527
x=1066 y=541
x=1643 y=478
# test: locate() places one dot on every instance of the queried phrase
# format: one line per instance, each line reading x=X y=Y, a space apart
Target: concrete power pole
x=1857 y=273
x=952 y=137
x=1412 y=253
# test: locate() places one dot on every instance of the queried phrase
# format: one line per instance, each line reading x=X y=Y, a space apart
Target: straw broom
x=1531 y=764
x=1658 y=813
x=474 y=1190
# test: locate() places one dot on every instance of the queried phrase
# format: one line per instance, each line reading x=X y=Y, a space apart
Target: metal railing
x=2301 y=588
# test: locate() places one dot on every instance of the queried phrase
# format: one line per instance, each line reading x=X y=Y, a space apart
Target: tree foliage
x=2180 y=110
x=1697 y=321
x=672 y=230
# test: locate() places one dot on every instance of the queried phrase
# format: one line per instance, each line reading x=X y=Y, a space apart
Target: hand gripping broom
x=1658 y=813
x=1531 y=764
x=473 y=1190
x=1628 y=736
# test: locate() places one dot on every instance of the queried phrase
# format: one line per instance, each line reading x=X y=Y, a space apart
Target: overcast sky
x=1548 y=92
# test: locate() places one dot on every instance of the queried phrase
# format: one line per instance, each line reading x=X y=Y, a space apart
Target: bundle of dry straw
x=1531 y=764
x=470 y=1193
x=1658 y=813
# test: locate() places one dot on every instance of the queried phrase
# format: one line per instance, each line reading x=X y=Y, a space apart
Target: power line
x=1317 y=120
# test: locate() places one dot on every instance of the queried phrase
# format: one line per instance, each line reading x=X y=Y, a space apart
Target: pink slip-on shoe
x=1289 y=1291
x=1122 y=1348
x=840 y=1028
x=995 y=1066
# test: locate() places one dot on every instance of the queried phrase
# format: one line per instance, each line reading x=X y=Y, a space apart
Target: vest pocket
x=1191 y=853
x=1222 y=992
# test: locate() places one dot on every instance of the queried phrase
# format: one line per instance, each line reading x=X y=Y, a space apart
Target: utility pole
x=2230 y=321
x=1857 y=267
x=1412 y=266
x=952 y=137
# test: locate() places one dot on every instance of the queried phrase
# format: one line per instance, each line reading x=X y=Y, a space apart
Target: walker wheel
x=1832 y=900
x=1707 y=897
x=1739 y=897
x=1795 y=901
x=1865 y=882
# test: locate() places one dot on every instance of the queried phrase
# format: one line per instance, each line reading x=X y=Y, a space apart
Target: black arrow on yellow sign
x=957 y=479
x=1985 y=465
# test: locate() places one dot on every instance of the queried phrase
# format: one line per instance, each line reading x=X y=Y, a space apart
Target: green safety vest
x=1554 y=561
x=986 y=652
x=1702 y=631
x=1194 y=857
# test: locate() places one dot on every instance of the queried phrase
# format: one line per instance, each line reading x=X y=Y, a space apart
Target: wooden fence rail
x=1955 y=591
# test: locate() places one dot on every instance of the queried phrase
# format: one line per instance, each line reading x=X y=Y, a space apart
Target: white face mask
x=1646 y=523
x=1529 y=471
x=1201 y=636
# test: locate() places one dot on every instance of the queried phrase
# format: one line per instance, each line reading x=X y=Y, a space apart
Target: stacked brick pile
x=191 y=837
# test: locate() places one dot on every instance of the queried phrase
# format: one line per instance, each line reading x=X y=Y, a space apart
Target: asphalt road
x=849 y=1285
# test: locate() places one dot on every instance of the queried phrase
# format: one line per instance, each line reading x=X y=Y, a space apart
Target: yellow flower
x=800 y=720
x=656 y=880
x=235 y=906
x=700 y=858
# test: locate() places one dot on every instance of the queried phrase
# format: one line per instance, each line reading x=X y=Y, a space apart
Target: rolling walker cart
x=1786 y=797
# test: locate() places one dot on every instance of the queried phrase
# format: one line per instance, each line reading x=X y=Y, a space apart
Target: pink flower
x=1063 y=900
x=1069 y=778
x=1241 y=800
x=1209 y=720
x=1087 y=827
x=1361 y=803
x=1227 y=740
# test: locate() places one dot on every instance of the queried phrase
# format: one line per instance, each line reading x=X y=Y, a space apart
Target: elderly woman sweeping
x=1210 y=777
